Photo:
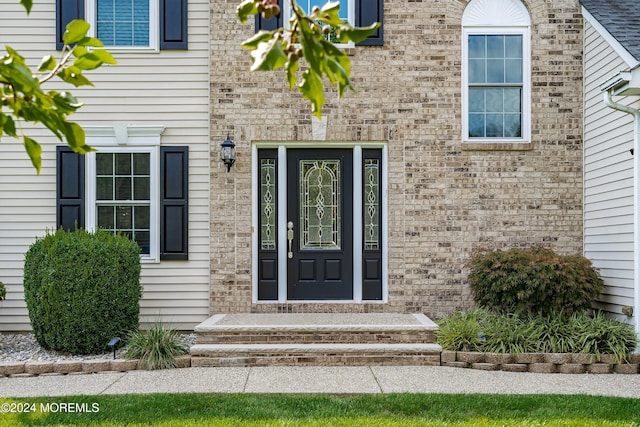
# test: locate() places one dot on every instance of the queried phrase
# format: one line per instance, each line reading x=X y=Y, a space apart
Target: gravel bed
x=23 y=347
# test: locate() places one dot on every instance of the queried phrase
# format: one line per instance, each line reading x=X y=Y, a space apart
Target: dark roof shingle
x=621 y=18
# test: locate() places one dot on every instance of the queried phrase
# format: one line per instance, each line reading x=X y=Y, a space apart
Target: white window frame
x=486 y=17
x=351 y=9
x=154 y=27
x=121 y=138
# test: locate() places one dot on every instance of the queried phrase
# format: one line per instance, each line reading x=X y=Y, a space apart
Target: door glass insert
x=268 y=203
x=320 y=205
x=371 y=204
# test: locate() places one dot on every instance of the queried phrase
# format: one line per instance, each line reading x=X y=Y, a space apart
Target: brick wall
x=444 y=199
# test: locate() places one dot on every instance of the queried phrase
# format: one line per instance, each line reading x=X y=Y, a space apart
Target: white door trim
x=282 y=217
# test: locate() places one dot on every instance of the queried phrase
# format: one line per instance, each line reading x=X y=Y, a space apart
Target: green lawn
x=323 y=410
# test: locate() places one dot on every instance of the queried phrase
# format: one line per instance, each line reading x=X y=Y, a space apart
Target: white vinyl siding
x=608 y=178
x=169 y=88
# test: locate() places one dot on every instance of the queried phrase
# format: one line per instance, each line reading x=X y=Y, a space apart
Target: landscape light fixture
x=114 y=344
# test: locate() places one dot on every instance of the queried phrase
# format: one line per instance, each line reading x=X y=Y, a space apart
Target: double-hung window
x=496 y=72
x=128 y=24
x=124 y=23
x=131 y=185
x=360 y=13
x=124 y=195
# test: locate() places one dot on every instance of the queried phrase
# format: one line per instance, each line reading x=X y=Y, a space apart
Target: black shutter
x=174 y=203
x=69 y=189
x=271 y=24
x=66 y=11
x=368 y=12
x=173 y=24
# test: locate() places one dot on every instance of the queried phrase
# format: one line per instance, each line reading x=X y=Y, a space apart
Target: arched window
x=496 y=72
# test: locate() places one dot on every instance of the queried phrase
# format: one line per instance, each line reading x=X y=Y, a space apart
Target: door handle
x=290 y=238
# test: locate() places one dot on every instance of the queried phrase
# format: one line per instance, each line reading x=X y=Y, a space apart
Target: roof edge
x=627 y=57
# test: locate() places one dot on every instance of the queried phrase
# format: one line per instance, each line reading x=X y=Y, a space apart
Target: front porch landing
x=261 y=339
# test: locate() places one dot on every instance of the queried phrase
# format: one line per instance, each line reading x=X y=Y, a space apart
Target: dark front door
x=320 y=224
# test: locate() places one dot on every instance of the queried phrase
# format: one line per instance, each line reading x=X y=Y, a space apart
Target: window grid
x=123 y=22
x=123 y=188
x=495 y=85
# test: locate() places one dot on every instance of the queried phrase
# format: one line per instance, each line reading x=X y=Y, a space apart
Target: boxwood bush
x=533 y=281
x=82 y=289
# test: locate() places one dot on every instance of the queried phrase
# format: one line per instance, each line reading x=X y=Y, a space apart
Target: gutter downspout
x=636 y=202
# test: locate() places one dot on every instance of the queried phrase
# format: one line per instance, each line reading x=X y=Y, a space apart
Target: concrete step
x=261 y=339
x=207 y=355
x=316 y=328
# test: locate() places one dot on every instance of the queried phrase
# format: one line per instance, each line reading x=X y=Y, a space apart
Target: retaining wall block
x=500 y=358
x=557 y=358
x=96 y=365
x=67 y=366
x=542 y=368
x=11 y=368
x=584 y=358
x=571 y=368
x=486 y=366
x=123 y=365
x=599 y=368
x=37 y=368
x=515 y=367
x=626 y=368
x=470 y=356
x=447 y=356
x=529 y=358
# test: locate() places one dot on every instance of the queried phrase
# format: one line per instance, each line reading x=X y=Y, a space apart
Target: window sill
x=497 y=146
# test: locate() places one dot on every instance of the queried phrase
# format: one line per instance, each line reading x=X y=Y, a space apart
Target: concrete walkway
x=336 y=380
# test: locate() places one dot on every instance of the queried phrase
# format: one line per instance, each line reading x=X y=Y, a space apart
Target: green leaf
x=341 y=76
x=65 y=102
x=7 y=124
x=355 y=34
x=34 y=150
x=88 y=62
x=28 y=4
x=75 y=136
x=311 y=89
x=246 y=8
x=73 y=75
x=104 y=56
x=80 y=51
x=253 y=42
x=330 y=14
x=311 y=46
x=90 y=41
x=48 y=63
x=268 y=56
x=292 y=68
x=76 y=31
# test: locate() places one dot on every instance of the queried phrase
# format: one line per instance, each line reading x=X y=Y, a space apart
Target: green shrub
x=82 y=289
x=486 y=331
x=3 y=291
x=460 y=331
x=156 y=348
x=533 y=281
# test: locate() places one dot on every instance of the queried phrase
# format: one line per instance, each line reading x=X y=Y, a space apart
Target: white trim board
x=282 y=218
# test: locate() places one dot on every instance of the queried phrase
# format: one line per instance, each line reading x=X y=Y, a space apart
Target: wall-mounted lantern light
x=228 y=153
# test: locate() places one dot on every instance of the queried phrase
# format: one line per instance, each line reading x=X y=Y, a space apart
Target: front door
x=320 y=224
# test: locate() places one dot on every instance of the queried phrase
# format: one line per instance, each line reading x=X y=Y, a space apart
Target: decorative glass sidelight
x=268 y=181
x=371 y=203
x=320 y=205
